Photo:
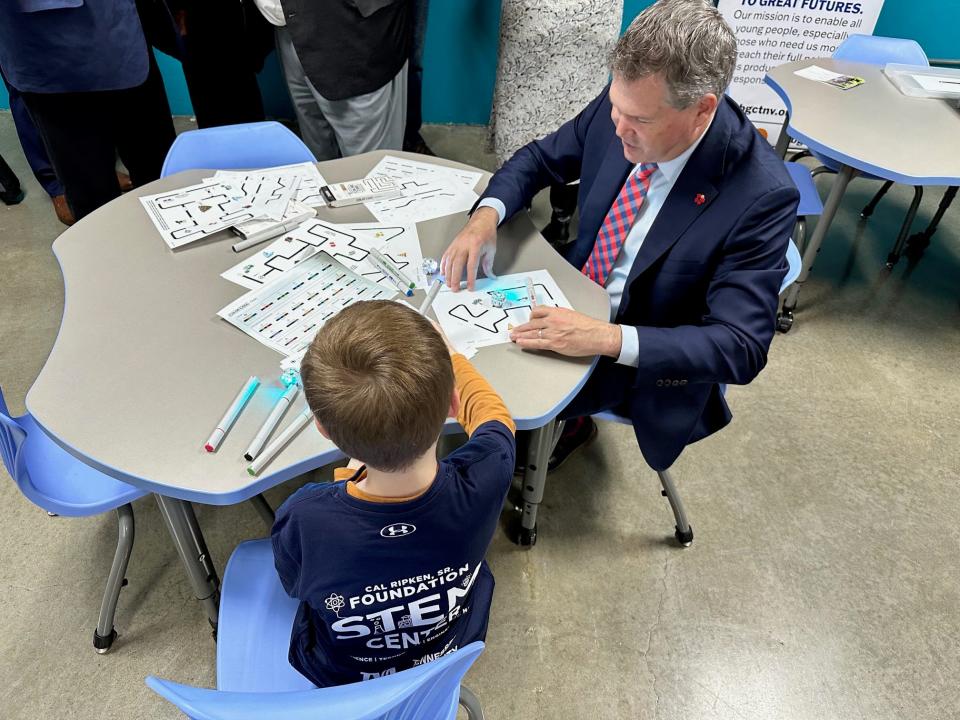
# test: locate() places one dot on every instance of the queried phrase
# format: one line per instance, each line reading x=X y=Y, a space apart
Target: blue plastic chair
x=255 y=679
x=56 y=481
x=248 y=145
x=810 y=204
x=683 y=531
x=877 y=50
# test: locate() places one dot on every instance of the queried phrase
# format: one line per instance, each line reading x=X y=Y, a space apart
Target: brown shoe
x=60 y=207
x=125 y=182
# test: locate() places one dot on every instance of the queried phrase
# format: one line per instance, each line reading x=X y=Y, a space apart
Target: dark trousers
x=9 y=184
x=223 y=89
x=32 y=143
x=411 y=135
x=84 y=131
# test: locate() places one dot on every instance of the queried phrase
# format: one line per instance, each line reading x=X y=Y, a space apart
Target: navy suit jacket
x=703 y=288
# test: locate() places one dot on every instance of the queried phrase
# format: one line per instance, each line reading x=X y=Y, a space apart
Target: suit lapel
x=690 y=196
x=603 y=193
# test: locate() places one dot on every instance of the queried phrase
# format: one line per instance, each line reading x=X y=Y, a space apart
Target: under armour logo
x=398 y=530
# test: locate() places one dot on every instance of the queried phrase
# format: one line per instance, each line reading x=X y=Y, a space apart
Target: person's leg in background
x=142 y=126
x=373 y=121
x=220 y=70
x=316 y=132
x=36 y=154
x=10 y=191
x=412 y=140
x=76 y=131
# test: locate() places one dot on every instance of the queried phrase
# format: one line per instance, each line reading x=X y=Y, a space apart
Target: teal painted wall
x=460 y=58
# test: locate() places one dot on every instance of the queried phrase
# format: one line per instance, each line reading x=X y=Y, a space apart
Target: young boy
x=388 y=562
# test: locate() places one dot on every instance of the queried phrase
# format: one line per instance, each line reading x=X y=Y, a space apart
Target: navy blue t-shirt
x=386 y=586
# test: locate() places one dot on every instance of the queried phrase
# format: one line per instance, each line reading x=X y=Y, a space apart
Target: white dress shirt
x=272 y=11
x=661 y=183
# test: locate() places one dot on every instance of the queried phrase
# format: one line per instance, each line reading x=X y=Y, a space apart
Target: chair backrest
x=248 y=145
x=12 y=436
x=879 y=50
x=431 y=690
x=794 y=264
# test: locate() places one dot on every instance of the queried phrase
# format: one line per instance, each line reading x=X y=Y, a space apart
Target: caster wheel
x=684 y=538
x=103 y=644
x=784 y=321
x=527 y=537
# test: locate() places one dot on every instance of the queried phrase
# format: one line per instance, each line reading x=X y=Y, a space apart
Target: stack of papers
x=349 y=244
x=428 y=191
x=247 y=199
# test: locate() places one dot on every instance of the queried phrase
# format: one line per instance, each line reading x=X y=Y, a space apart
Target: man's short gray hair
x=687 y=41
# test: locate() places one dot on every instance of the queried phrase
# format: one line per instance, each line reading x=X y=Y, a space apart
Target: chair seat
x=256 y=616
x=62 y=484
x=243 y=146
x=810 y=203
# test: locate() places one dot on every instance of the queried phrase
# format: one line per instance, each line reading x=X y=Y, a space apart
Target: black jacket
x=349 y=47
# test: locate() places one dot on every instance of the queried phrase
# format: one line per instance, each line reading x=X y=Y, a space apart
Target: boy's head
x=379 y=380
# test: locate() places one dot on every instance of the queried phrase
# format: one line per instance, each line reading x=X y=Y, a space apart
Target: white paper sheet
x=285 y=315
x=189 y=214
x=307 y=192
x=937 y=83
x=347 y=243
x=252 y=227
x=471 y=319
x=429 y=190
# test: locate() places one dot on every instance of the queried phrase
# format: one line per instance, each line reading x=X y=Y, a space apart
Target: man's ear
x=322 y=429
x=706 y=107
x=454 y=404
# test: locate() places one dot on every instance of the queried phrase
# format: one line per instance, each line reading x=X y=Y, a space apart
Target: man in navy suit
x=685 y=213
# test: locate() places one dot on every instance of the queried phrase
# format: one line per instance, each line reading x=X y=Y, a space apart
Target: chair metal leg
x=800 y=233
x=470 y=703
x=802 y=154
x=541 y=443
x=918 y=242
x=820 y=170
x=816 y=240
x=105 y=633
x=872 y=205
x=684 y=533
x=905 y=228
x=192 y=548
x=783 y=140
x=263 y=509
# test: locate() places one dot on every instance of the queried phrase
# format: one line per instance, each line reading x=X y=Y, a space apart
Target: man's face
x=650 y=128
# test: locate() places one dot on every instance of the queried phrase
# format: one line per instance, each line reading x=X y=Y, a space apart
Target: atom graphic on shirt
x=405 y=622
x=335 y=603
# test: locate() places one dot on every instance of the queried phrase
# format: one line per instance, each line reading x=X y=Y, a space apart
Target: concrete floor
x=823 y=582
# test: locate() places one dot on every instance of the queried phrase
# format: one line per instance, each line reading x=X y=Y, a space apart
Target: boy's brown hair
x=378 y=377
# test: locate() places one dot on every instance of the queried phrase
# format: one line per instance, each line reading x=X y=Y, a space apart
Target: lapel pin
x=699 y=198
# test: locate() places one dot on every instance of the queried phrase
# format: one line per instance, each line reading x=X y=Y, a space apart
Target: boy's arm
x=286 y=552
x=479 y=402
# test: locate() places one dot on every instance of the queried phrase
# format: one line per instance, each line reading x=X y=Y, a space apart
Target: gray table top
x=142 y=368
x=873 y=128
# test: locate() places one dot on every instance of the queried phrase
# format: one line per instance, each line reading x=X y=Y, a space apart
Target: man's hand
x=567 y=332
x=475 y=245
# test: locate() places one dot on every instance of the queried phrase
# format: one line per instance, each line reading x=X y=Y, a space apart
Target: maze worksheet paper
x=349 y=244
x=472 y=320
x=285 y=315
x=429 y=190
x=192 y=213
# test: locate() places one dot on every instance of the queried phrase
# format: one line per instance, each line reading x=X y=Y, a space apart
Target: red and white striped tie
x=616 y=226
